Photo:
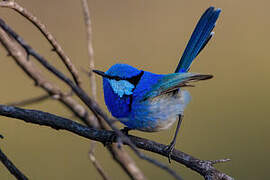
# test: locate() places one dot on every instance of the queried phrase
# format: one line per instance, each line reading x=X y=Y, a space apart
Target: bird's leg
x=112 y=138
x=125 y=130
x=170 y=147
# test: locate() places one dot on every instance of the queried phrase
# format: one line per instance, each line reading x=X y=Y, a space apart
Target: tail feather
x=211 y=35
x=199 y=38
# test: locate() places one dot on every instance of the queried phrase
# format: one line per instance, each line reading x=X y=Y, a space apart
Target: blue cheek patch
x=121 y=87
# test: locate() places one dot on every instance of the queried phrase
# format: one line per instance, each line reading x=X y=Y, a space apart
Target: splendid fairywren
x=152 y=102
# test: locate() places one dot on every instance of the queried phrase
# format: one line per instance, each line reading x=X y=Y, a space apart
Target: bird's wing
x=172 y=82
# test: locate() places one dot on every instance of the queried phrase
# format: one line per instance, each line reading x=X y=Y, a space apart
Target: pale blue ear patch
x=121 y=87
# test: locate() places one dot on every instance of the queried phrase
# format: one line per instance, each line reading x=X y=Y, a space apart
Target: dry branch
x=90 y=48
x=93 y=85
x=11 y=167
x=20 y=57
x=204 y=168
x=56 y=47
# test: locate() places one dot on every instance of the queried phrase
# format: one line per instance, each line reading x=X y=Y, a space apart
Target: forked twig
x=56 y=47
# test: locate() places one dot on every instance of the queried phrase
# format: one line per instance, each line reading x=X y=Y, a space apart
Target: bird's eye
x=117 y=78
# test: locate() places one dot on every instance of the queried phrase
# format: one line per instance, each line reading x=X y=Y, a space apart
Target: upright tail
x=199 y=38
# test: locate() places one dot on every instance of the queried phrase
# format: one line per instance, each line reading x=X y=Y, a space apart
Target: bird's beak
x=101 y=73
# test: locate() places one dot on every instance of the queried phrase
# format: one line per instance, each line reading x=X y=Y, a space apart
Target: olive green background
x=228 y=116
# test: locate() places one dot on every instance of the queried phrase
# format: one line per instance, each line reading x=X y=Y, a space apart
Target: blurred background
x=228 y=116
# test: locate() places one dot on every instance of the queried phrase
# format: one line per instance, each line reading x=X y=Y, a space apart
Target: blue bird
x=150 y=102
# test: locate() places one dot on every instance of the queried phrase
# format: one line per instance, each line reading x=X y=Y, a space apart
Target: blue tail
x=199 y=38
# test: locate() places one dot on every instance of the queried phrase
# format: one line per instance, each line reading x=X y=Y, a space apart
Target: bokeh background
x=228 y=116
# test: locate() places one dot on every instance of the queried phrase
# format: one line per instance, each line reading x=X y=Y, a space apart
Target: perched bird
x=151 y=102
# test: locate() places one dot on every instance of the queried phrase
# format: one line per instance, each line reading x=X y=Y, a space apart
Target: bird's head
x=119 y=83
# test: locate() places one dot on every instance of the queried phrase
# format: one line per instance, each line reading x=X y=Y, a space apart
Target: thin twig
x=204 y=168
x=90 y=48
x=30 y=100
x=91 y=104
x=96 y=164
x=56 y=47
x=11 y=167
x=93 y=85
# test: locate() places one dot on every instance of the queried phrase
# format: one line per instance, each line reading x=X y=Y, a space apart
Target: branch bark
x=203 y=167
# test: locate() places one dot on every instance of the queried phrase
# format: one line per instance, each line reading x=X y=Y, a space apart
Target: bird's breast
x=156 y=114
x=118 y=106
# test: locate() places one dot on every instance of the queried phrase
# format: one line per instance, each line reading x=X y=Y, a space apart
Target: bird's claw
x=125 y=130
x=169 y=149
x=114 y=137
x=110 y=140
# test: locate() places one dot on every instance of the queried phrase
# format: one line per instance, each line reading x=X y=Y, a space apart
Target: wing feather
x=172 y=82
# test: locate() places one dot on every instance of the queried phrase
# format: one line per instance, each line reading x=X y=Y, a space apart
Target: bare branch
x=95 y=162
x=92 y=82
x=11 y=167
x=30 y=100
x=56 y=47
x=204 y=168
x=90 y=48
x=20 y=57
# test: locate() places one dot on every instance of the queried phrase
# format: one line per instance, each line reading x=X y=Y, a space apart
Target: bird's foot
x=110 y=140
x=169 y=149
x=125 y=130
x=114 y=137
